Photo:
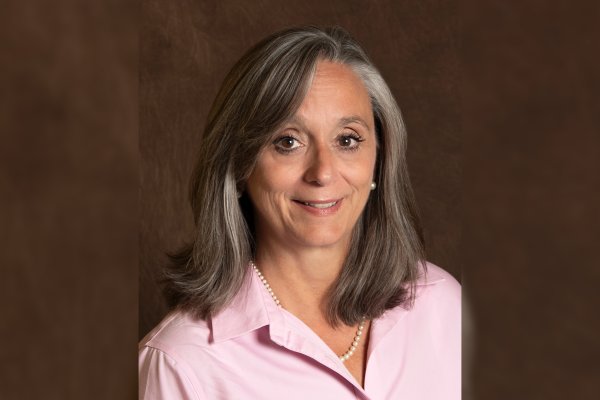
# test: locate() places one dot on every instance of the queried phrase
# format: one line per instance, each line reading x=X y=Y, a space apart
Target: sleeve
x=162 y=378
x=449 y=298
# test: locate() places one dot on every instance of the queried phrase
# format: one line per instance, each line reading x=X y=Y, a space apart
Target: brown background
x=531 y=185
x=70 y=172
x=68 y=200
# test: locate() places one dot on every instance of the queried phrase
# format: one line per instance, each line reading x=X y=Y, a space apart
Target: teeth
x=321 y=205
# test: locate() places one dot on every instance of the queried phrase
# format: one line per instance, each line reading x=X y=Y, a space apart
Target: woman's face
x=312 y=181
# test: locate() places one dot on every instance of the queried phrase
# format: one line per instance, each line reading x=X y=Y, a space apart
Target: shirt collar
x=245 y=313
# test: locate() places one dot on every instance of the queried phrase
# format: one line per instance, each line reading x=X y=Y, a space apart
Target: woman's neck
x=302 y=277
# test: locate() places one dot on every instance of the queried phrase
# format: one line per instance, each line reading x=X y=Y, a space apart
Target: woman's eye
x=349 y=142
x=286 y=144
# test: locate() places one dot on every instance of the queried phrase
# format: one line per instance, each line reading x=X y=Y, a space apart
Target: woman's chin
x=321 y=238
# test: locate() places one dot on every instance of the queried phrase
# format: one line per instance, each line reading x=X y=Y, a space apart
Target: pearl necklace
x=359 y=331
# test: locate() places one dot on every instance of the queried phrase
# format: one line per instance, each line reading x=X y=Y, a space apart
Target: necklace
x=359 y=331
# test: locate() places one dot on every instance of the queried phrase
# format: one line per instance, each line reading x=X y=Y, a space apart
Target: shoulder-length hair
x=264 y=88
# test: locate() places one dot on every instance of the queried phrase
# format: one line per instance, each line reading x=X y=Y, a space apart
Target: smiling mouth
x=318 y=205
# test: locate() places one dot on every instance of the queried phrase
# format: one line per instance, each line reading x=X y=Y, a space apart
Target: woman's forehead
x=335 y=93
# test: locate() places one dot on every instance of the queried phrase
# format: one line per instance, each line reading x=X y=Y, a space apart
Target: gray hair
x=263 y=89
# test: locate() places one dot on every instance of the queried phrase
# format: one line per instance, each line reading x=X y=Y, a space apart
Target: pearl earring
x=373 y=185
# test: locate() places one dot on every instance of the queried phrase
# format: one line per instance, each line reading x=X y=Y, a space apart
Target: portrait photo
x=351 y=199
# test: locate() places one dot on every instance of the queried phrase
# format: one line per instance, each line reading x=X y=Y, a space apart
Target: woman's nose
x=321 y=169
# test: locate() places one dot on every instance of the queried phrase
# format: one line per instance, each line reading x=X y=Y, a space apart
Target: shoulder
x=175 y=332
x=165 y=369
x=438 y=289
x=435 y=278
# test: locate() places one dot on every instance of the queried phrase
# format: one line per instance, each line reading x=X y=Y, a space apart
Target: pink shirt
x=256 y=350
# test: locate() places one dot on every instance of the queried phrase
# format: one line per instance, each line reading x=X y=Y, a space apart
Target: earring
x=373 y=185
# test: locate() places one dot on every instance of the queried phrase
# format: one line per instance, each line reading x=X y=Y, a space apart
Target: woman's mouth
x=320 y=207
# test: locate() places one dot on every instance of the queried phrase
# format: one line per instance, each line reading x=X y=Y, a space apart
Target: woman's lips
x=320 y=207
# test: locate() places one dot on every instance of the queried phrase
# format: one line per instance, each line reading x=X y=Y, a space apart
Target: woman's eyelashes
x=287 y=144
x=349 y=141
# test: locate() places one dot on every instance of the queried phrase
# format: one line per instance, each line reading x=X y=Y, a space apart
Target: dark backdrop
x=69 y=176
x=187 y=47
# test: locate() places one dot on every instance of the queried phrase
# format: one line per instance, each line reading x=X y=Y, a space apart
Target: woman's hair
x=264 y=89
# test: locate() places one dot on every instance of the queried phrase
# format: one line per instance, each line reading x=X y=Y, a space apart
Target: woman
x=306 y=278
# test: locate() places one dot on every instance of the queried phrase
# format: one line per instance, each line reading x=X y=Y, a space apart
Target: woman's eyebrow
x=296 y=120
x=299 y=121
x=354 y=119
